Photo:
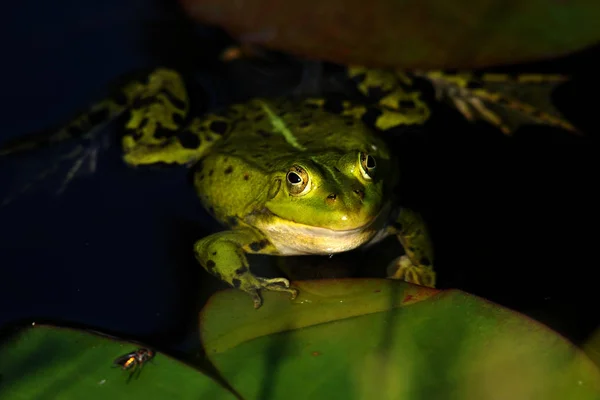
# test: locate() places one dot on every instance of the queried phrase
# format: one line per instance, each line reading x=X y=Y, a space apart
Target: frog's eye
x=297 y=181
x=367 y=165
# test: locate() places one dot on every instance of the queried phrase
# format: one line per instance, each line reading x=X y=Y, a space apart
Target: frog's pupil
x=294 y=178
x=370 y=162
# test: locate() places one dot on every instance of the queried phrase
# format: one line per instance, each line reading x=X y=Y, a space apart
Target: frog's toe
x=403 y=268
x=278 y=285
x=256 y=299
x=253 y=286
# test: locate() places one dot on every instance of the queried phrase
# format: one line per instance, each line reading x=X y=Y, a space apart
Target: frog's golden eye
x=297 y=181
x=367 y=165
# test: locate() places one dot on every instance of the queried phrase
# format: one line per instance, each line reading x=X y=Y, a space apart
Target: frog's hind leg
x=158 y=130
x=417 y=265
x=482 y=96
x=155 y=108
x=390 y=96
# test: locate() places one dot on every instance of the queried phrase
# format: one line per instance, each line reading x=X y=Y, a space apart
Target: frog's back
x=285 y=127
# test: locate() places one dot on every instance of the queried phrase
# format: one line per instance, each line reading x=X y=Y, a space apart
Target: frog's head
x=339 y=192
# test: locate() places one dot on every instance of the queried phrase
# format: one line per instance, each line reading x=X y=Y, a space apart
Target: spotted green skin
x=339 y=196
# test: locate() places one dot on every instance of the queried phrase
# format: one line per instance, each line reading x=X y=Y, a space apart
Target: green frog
x=286 y=176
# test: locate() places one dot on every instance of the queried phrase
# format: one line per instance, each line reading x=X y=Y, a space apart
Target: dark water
x=513 y=220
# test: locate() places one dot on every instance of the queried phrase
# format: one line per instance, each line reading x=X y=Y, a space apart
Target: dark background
x=512 y=219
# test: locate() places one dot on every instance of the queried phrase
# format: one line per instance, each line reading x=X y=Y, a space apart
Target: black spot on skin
x=189 y=140
x=180 y=104
x=255 y=246
x=258 y=246
x=201 y=177
x=160 y=132
x=370 y=117
x=241 y=270
x=178 y=119
x=228 y=170
x=232 y=221
x=359 y=78
x=236 y=283
x=214 y=253
x=406 y=104
x=246 y=177
x=211 y=267
x=263 y=133
x=218 y=127
x=334 y=106
x=425 y=261
x=210 y=173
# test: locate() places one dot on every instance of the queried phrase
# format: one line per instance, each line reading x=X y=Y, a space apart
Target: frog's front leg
x=417 y=265
x=222 y=255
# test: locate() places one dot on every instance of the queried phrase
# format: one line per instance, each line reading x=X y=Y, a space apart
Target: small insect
x=135 y=360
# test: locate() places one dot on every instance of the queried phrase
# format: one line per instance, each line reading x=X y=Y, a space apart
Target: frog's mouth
x=292 y=238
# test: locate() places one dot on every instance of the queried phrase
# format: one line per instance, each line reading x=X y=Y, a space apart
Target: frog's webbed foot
x=222 y=255
x=495 y=98
x=403 y=268
x=254 y=284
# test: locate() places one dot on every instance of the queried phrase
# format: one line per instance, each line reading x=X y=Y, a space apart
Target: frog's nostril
x=360 y=193
x=331 y=199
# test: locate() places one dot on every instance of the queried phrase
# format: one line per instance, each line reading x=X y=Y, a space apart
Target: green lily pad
x=46 y=362
x=426 y=34
x=384 y=339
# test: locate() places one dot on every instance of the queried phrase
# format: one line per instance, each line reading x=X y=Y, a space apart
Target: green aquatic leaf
x=426 y=34
x=46 y=362
x=384 y=339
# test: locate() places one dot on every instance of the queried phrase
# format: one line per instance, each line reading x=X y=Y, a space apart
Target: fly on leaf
x=134 y=361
